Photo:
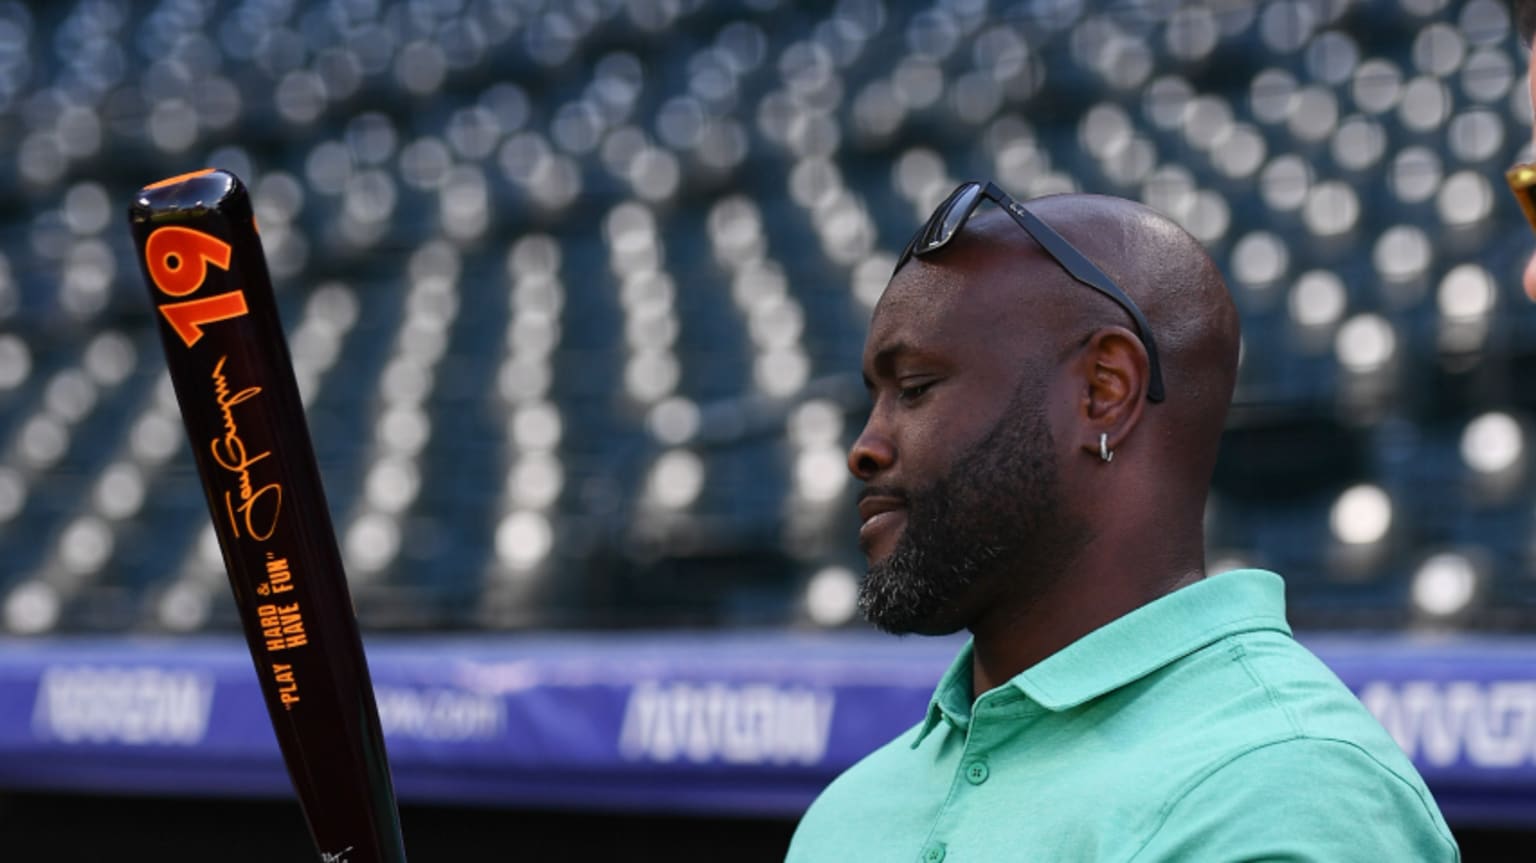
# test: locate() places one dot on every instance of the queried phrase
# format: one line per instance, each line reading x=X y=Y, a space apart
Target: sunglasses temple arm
x=1087 y=272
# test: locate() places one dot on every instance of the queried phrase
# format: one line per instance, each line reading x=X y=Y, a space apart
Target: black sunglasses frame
x=956 y=210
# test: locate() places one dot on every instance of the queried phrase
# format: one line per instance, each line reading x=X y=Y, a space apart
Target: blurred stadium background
x=577 y=291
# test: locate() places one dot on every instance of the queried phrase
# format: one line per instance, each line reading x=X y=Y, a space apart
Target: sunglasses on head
x=956 y=210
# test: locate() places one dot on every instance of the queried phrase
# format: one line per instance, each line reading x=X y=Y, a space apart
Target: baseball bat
x=202 y=261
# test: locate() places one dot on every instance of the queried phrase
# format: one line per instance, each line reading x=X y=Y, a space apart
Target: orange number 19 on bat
x=178 y=260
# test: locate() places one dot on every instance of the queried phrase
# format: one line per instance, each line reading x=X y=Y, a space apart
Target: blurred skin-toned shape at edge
x=1523 y=179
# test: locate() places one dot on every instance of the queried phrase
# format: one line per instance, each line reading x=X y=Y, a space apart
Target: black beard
x=993 y=520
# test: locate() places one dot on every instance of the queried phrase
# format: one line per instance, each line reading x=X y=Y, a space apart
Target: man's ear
x=1115 y=377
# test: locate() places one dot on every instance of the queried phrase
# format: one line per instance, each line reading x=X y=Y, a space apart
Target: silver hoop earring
x=1105 y=453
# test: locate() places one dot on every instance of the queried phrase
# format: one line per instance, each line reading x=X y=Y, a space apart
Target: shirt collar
x=952 y=697
x=1131 y=647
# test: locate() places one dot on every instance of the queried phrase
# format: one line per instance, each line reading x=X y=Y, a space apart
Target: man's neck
x=1017 y=636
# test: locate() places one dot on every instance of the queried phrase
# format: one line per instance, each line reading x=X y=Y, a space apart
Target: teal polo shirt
x=1192 y=729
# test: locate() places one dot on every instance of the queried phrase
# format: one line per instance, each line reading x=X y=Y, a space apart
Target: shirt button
x=976 y=772
x=933 y=853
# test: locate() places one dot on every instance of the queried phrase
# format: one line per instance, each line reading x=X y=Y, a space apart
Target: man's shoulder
x=877 y=796
x=1286 y=750
x=1314 y=798
x=1266 y=686
x=1257 y=690
x=874 y=772
x=1306 y=699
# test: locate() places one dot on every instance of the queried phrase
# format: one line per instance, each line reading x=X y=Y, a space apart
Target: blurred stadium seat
x=577 y=290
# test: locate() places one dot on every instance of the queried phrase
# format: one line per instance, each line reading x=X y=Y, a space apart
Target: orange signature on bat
x=258 y=507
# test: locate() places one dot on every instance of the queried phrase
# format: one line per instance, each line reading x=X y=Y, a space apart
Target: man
x=1046 y=411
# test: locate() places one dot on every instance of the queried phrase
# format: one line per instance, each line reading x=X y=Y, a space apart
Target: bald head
x=1165 y=271
x=1178 y=288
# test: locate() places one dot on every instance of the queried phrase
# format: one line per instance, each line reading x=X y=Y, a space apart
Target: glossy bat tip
x=207 y=189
